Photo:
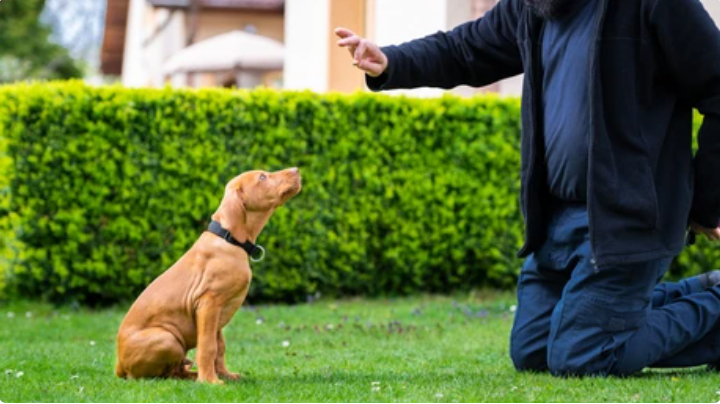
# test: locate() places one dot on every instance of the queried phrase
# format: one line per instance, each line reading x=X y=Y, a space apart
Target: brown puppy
x=189 y=304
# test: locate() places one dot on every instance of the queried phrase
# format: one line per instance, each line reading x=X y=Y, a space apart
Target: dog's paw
x=231 y=376
x=215 y=381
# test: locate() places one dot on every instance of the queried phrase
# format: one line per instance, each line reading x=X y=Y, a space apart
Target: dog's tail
x=119 y=371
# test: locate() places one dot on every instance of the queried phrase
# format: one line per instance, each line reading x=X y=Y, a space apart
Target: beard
x=551 y=9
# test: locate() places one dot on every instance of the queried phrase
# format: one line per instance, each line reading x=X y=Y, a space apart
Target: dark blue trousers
x=575 y=319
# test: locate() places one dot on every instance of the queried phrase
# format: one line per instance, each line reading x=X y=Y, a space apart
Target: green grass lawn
x=417 y=349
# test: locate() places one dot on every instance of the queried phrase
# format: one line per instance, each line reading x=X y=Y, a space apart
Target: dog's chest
x=231 y=307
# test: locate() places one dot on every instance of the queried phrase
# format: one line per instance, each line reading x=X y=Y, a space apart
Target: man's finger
x=711 y=234
x=372 y=68
x=715 y=234
x=343 y=32
x=350 y=41
x=360 y=50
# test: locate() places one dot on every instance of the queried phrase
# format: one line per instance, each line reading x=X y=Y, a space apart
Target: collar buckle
x=262 y=253
x=250 y=248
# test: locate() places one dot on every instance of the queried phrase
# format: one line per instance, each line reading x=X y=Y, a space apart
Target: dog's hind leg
x=119 y=371
x=184 y=372
x=153 y=352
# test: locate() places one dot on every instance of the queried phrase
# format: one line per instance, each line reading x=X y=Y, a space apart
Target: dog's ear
x=232 y=208
x=240 y=192
x=240 y=203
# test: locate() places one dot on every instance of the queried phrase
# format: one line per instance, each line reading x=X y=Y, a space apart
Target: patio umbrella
x=236 y=50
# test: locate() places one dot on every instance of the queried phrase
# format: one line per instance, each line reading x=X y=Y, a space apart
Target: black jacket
x=654 y=61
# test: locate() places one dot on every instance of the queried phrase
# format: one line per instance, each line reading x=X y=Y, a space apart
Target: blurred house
x=154 y=42
x=313 y=60
x=210 y=42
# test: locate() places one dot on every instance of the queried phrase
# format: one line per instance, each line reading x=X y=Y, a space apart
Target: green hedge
x=104 y=188
x=703 y=256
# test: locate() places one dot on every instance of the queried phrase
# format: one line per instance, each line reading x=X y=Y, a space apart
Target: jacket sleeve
x=690 y=41
x=476 y=53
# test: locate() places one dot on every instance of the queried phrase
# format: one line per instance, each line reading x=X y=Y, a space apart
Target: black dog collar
x=251 y=249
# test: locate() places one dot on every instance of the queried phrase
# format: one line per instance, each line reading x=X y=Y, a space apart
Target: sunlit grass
x=415 y=349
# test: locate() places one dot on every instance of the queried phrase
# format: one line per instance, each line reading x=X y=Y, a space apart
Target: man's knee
x=570 y=368
x=590 y=356
x=527 y=363
x=577 y=350
x=571 y=363
x=526 y=359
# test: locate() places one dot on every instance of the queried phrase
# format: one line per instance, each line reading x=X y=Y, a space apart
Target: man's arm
x=476 y=53
x=690 y=42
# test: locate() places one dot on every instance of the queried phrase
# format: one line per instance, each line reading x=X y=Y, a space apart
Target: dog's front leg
x=208 y=319
x=220 y=365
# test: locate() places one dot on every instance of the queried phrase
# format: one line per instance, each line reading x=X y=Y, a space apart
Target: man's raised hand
x=367 y=55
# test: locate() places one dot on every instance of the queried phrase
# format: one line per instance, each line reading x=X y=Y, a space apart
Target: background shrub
x=105 y=188
x=704 y=255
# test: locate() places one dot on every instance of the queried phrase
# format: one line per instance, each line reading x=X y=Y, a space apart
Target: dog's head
x=262 y=191
x=252 y=197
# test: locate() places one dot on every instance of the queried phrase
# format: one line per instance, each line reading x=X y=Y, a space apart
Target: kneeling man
x=610 y=185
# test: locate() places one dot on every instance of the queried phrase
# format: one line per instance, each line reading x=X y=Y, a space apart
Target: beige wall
x=216 y=22
x=370 y=18
x=343 y=76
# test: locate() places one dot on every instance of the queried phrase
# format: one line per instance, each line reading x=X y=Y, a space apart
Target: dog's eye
x=262 y=177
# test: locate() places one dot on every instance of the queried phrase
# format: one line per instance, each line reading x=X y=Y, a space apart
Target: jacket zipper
x=531 y=159
x=594 y=80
